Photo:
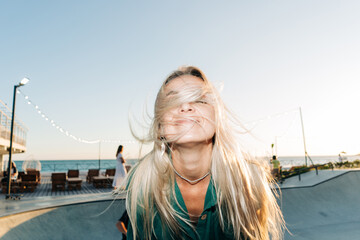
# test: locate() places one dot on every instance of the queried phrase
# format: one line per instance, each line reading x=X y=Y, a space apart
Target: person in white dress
x=120 y=172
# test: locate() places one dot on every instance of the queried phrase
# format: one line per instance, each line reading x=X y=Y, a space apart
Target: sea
x=65 y=165
x=102 y=164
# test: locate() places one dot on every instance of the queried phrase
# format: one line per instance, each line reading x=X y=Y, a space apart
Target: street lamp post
x=22 y=82
x=303 y=132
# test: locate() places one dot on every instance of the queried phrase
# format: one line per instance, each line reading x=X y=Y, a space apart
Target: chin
x=189 y=136
x=193 y=140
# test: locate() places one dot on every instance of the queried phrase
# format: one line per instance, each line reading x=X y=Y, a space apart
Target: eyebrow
x=171 y=93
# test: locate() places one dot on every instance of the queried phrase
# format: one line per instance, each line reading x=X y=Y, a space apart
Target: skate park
x=319 y=206
x=323 y=206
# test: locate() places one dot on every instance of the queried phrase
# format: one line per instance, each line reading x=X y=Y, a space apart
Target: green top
x=275 y=163
x=208 y=226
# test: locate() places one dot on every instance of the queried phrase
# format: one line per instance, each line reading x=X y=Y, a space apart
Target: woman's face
x=190 y=122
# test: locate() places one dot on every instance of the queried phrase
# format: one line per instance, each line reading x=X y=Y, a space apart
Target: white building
x=19 y=138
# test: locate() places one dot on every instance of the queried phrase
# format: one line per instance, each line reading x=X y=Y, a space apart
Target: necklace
x=192 y=182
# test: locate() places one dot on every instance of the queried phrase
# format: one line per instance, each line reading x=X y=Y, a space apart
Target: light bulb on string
x=53 y=124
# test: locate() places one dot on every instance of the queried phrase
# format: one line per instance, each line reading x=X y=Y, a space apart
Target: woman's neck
x=192 y=162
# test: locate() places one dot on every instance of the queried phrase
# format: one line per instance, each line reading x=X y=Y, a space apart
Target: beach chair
x=58 y=181
x=92 y=173
x=15 y=188
x=34 y=172
x=3 y=184
x=20 y=174
x=73 y=173
x=74 y=181
x=28 y=182
x=110 y=172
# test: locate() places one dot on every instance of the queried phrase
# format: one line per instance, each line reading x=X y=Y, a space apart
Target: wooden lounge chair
x=58 y=181
x=73 y=173
x=92 y=173
x=28 y=183
x=36 y=173
x=15 y=188
x=4 y=184
x=74 y=181
x=110 y=172
x=20 y=174
x=101 y=182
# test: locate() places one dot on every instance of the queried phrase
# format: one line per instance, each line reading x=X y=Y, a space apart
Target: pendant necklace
x=192 y=182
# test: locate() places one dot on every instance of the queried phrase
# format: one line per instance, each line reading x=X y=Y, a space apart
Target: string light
x=66 y=132
x=251 y=124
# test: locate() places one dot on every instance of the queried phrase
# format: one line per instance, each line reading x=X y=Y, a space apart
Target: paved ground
x=323 y=206
x=325 y=210
x=10 y=207
x=94 y=220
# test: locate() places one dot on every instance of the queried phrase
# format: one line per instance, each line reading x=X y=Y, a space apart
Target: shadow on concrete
x=77 y=221
x=329 y=210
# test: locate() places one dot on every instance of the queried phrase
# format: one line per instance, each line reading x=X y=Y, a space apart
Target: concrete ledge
x=310 y=179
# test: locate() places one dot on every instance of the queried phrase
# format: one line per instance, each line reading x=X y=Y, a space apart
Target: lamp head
x=24 y=81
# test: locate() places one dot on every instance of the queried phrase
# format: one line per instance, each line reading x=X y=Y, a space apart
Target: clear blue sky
x=91 y=62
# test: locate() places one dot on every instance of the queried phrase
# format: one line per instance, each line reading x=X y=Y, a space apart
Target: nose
x=186 y=107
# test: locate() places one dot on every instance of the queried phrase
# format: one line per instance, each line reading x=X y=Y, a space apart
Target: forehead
x=185 y=80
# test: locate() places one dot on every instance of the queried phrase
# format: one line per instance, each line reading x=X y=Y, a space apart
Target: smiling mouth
x=184 y=121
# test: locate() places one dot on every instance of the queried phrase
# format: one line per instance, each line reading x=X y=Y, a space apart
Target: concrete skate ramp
x=78 y=221
x=330 y=210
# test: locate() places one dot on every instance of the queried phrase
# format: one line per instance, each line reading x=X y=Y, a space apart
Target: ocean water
x=64 y=165
x=84 y=165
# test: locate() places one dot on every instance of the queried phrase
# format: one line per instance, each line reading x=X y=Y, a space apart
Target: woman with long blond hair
x=196 y=183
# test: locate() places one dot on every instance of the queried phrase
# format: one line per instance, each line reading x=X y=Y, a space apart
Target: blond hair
x=245 y=200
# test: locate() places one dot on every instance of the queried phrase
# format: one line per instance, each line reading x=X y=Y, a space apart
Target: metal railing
x=64 y=167
x=301 y=170
x=20 y=130
x=78 y=166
